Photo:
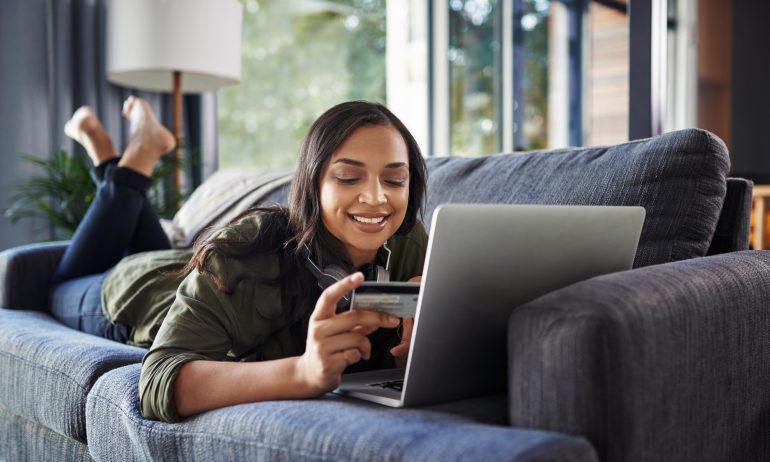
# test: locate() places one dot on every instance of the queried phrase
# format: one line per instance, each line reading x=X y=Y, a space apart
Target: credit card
x=396 y=298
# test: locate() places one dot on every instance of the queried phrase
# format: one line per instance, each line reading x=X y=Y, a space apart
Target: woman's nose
x=372 y=193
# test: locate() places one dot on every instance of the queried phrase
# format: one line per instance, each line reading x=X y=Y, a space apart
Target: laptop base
x=372 y=386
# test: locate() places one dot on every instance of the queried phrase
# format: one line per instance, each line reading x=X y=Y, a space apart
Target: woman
x=249 y=321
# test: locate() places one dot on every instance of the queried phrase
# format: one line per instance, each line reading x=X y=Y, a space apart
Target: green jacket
x=191 y=319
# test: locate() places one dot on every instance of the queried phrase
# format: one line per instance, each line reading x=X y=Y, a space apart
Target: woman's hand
x=401 y=350
x=335 y=341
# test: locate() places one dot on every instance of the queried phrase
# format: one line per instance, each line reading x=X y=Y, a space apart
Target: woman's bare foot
x=148 y=139
x=85 y=128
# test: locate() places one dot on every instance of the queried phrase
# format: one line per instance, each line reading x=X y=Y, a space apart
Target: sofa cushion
x=329 y=428
x=48 y=369
x=679 y=178
x=223 y=196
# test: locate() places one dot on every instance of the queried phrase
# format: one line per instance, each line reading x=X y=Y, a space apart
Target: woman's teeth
x=368 y=220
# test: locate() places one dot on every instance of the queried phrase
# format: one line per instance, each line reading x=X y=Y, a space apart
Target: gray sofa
x=667 y=361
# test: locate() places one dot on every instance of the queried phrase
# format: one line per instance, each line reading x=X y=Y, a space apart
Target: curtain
x=52 y=61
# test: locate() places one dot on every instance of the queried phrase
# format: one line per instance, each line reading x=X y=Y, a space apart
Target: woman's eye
x=396 y=182
x=346 y=180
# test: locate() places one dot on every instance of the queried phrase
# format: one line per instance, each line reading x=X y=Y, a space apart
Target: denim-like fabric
x=734 y=224
x=679 y=178
x=330 y=429
x=24 y=440
x=669 y=362
x=26 y=273
x=78 y=304
x=47 y=369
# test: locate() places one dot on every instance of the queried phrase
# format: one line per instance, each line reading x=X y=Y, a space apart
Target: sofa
x=667 y=361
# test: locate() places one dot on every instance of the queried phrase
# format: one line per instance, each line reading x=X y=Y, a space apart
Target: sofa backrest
x=679 y=178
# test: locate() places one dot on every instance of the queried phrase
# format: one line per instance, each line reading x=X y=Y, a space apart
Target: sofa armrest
x=667 y=362
x=25 y=275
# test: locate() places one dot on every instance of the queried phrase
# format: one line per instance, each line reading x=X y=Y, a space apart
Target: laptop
x=482 y=262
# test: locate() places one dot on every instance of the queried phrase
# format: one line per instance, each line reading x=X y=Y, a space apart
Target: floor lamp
x=188 y=46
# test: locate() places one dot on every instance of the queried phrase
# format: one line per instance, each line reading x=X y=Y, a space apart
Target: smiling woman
x=359 y=183
x=243 y=318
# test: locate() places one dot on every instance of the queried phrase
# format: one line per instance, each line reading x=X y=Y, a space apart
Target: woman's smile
x=370 y=222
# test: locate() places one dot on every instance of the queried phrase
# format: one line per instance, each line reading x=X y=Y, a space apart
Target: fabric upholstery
x=679 y=178
x=25 y=275
x=222 y=197
x=732 y=231
x=669 y=362
x=664 y=362
x=325 y=429
x=48 y=369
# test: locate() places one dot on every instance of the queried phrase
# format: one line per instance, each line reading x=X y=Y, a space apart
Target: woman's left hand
x=401 y=350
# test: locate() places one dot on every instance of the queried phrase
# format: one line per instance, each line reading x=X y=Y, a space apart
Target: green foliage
x=62 y=192
x=298 y=59
x=61 y=195
x=163 y=195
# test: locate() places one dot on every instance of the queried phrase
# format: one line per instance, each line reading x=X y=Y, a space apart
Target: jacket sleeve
x=198 y=326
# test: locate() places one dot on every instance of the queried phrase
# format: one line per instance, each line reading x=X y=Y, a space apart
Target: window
x=298 y=59
x=468 y=77
x=474 y=77
x=568 y=67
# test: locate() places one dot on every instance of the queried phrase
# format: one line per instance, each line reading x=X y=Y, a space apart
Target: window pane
x=607 y=73
x=474 y=76
x=407 y=79
x=298 y=59
x=570 y=73
x=534 y=31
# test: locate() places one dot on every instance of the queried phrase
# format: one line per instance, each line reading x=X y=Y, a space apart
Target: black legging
x=120 y=221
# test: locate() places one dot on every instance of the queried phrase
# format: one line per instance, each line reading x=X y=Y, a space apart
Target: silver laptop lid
x=482 y=262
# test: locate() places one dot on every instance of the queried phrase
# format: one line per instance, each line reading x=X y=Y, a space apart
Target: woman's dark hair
x=283 y=231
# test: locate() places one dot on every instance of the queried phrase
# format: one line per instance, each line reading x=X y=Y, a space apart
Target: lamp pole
x=177 y=122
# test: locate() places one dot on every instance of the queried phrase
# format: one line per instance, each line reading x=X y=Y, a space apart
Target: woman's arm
x=334 y=342
x=205 y=385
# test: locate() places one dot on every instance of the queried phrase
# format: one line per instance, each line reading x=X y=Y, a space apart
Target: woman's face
x=365 y=190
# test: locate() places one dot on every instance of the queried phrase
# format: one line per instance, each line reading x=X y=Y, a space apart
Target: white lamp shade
x=149 y=39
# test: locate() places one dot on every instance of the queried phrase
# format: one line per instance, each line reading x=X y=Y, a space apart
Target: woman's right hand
x=335 y=341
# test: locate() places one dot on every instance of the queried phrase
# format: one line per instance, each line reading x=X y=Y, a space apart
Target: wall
x=24 y=123
x=714 y=69
x=751 y=90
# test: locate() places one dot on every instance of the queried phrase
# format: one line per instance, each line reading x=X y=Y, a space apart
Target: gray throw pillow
x=679 y=178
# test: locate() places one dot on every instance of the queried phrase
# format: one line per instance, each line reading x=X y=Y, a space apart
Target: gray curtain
x=52 y=61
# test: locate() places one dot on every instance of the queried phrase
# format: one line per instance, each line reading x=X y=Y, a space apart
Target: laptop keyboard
x=391 y=384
